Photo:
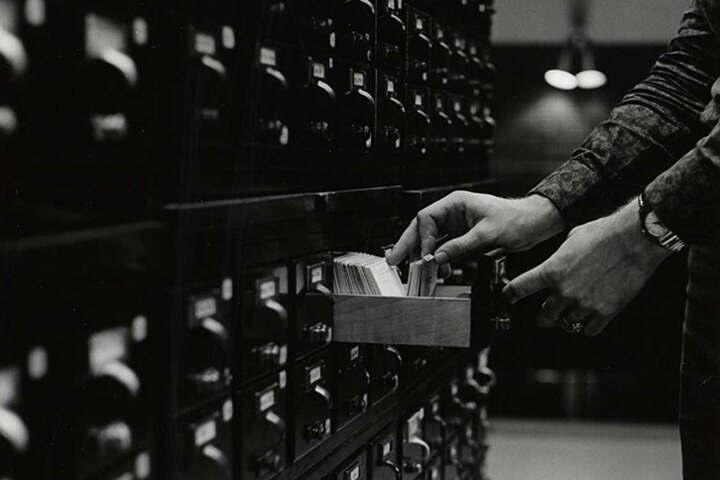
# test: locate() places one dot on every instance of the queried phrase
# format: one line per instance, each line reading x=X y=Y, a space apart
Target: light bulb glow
x=590 y=79
x=561 y=79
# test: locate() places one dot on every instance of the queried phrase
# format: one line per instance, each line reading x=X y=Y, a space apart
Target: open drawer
x=444 y=320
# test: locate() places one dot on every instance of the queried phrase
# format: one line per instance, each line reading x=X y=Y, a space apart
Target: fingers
x=526 y=284
x=445 y=271
x=428 y=232
x=478 y=240
x=429 y=225
x=552 y=310
x=405 y=245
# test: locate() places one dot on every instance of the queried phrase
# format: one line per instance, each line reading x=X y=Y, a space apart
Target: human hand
x=482 y=223
x=594 y=274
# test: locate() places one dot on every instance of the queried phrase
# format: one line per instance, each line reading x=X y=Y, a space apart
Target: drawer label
x=205 y=433
x=282 y=379
x=107 y=346
x=267 y=399
x=387 y=448
x=204 y=43
x=390 y=86
x=318 y=70
x=354 y=353
x=358 y=79
x=268 y=56
x=267 y=289
x=316 y=274
x=413 y=423
x=418 y=100
x=315 y=374
x=205 y=307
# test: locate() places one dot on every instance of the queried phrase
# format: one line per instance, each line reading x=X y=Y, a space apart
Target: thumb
x=476 y=241
x=525 y=285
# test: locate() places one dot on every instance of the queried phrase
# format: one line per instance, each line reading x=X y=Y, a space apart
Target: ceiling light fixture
x=576 y=66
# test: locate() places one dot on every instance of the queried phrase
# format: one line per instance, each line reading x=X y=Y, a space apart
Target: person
x=659 y=149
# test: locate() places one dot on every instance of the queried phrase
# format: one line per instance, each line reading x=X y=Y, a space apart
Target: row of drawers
x=110 y=416
x=281 y=424
x=184 y=102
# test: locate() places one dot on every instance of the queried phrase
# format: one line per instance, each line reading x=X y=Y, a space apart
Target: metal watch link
x=655 y=230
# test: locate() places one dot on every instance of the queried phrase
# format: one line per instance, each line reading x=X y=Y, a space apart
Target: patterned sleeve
x=648 y=131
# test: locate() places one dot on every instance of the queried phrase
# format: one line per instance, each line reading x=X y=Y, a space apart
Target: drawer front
x=205 y=355
x=262 y=428
x=312 y=403
x=206 y=443
x=352 y=383
x=264 y=320
x=384 y=365
x=355 y=468
x=312 y=288
x=415 y=450
x=383 y=451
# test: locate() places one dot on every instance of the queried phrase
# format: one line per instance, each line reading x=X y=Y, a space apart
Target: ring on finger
x=572 y=324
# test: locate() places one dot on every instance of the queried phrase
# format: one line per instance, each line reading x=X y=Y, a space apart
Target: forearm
x=654 y=125
x=686 y=197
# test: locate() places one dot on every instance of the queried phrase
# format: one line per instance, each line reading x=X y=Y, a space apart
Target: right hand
x=479 y=223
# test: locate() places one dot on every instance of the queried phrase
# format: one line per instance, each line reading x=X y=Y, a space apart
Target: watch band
x=668 y=240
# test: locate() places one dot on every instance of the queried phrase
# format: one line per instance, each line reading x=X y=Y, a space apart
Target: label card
x=267 y=399
x=205 y=432
x=267 y=288
x=387 y=448
x=204 y=43
x=318 y=70
x=107 y=346
x=315 y=374
x=205 y=307
x=358 y=79
x=268 y=56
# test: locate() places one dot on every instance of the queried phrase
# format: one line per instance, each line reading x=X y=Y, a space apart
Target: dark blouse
x=660 y=137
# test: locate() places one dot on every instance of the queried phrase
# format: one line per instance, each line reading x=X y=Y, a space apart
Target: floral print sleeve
x=653 y=126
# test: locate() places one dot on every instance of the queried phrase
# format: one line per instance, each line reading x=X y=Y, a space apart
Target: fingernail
x=442 y=257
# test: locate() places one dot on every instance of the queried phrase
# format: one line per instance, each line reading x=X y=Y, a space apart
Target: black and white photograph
x=360 y=240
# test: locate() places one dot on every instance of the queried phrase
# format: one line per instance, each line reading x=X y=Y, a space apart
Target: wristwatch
x=655 y=230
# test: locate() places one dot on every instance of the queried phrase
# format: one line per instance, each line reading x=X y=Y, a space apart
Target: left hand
x=594 y=274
